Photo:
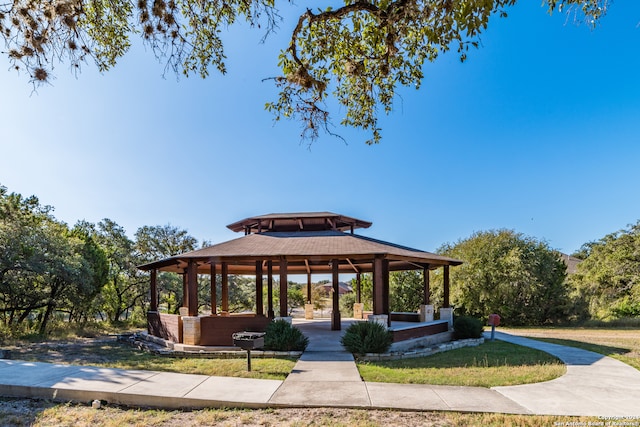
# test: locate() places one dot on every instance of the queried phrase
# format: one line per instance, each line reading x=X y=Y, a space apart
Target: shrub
x=467 y=327
x=282 y=336
x=367 y=337
x=346 y=304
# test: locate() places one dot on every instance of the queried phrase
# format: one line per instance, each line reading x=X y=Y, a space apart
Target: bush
x=282 y=336
x=367 y=337
x=467 y=327
x=346 y=304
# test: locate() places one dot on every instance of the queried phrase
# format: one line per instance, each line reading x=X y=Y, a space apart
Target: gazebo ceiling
x=305 y=252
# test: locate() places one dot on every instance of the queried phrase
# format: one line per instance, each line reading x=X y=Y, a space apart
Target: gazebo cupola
x=308 y=221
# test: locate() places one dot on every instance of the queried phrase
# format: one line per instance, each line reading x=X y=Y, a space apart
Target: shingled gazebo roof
x=308 y=241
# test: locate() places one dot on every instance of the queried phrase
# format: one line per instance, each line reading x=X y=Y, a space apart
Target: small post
x=248 y=360
x=494 y=320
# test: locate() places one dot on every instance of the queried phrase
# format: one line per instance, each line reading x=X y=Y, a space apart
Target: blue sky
x=539 y=131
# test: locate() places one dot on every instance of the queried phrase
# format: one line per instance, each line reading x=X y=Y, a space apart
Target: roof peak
x=298 y=221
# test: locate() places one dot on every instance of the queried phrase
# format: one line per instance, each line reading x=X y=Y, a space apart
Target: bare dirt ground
x=76 y=350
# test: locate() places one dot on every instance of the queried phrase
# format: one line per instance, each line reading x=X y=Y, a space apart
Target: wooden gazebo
x=283 y=244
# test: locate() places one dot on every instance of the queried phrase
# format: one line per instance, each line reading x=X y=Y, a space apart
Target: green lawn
x=491 y=364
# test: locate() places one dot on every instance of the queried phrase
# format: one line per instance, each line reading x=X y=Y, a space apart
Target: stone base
x=382 y=319
x=426 y=313
x=191 y=330
x=308 y=311
x=447 y=314
x=358 y=310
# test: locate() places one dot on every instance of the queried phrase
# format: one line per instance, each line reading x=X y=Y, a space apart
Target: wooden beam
x=300 y=224
x=192 y=288
x=427 y=286
x=185 y=291
x=353 y=266
x=385 y=292
x=270 y=312
x=154 y=291
x=378 y=287
x=335 y=313
x=284 y=306
x=214 y=296
x=445 y=280
x=225 y=287
x=306 y=263
x=259 y=299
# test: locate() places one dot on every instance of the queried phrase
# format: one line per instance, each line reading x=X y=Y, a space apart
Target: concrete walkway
x=593 y=385
x=326 y=375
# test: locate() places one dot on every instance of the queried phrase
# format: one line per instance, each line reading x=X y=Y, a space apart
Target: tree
x=358 y=51
x=505 y=272
x=406 y=290
x=126 y=286
x=44 y=266
x=158 y=242
x=608 y=279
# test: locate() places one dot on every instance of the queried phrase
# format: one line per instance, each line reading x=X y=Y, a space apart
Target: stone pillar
x=382 y=319
x=358 y=309
x=446 y=313
x=308 y=311
x=191 y=330
x=426 y=313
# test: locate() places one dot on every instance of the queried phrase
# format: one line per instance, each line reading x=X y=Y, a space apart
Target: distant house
x=343 y=288
x=571 y=262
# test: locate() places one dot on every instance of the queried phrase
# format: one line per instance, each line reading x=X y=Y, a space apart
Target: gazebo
x=292 y=243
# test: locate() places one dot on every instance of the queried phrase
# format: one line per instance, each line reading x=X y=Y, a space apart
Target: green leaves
x=505 y=272
x=609 y=277
x=359 y=53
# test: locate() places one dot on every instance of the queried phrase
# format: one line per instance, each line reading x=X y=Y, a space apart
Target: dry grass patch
x=38 y=413
x=620 y=343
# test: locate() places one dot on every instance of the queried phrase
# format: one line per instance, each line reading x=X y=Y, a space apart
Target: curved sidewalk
x=594 y=385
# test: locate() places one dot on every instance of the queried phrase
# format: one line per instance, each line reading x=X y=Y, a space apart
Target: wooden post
x=445 y=279
x=358 y=288
x=427 y=286
x=335 y=314
x=192 y=288
x=225 y=287
x=385 y=291
x=185 y=290
x=284 y=309
x=214 y=297
x=308 y=288
x=378 y=287
x=270 y=313
x=154 y=291
x=259 y=299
